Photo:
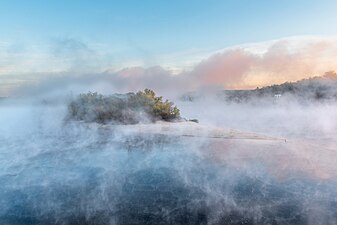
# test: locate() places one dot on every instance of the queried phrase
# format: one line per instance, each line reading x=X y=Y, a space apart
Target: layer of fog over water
x=58 y=172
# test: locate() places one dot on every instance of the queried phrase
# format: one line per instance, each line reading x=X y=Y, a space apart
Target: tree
x=125 y=109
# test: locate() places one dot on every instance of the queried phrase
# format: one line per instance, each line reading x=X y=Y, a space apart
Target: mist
x=55 y=171
x=239 y=67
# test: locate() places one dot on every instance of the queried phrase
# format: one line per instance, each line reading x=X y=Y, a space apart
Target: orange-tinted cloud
x=284 y=60
x=224 y=69
x=235 y=68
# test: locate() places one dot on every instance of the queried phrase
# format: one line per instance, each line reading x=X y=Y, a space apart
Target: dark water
x=107 y=178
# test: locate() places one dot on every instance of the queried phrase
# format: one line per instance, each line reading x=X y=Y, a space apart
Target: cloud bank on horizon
x=248 y=66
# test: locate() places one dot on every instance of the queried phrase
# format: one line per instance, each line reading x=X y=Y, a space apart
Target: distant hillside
x=319 y=88
x=316 y=88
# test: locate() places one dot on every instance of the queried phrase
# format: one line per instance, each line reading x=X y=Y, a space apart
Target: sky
x=42 y=39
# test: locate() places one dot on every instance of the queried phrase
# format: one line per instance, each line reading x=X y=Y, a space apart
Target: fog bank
x=55 y=171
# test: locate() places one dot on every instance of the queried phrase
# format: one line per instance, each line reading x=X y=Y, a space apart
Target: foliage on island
x=130 y=108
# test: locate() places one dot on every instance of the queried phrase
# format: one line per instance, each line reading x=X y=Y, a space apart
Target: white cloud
x=244 y=66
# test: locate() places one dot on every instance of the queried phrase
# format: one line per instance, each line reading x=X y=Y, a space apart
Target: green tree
x=125 y=109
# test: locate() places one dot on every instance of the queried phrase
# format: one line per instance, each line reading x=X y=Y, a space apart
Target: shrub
x=124 y=109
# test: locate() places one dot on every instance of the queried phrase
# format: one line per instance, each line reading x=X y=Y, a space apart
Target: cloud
x=239 y=67
x=275 y=62
x=75 y=55
x=53 y=56
x=283 y=62
x=246 y=67
x=225 y=69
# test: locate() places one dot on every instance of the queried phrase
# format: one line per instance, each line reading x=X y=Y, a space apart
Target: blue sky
x=164 y=26
x=52 y=36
